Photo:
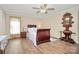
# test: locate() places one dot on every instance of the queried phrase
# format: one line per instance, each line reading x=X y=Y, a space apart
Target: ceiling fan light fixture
x=43 y=11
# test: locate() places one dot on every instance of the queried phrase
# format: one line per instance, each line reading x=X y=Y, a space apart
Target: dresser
x=23 y=35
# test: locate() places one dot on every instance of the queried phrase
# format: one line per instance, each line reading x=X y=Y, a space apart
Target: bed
x=3 y=42
x=38 y=36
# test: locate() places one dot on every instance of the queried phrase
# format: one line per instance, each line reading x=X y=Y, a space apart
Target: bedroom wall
x=2 y=22
x=28 y=20
x=54 y=22
x=24 y=22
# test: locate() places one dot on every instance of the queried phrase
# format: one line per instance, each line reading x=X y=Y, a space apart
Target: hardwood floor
x=25 y=46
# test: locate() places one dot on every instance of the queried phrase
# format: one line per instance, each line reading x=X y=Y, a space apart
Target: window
x=14 y=25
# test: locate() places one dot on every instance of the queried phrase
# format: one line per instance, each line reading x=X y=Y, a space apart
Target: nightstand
x=23 y=34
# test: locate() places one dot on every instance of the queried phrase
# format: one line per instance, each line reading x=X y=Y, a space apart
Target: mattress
x=3 y=41
x=2 y=37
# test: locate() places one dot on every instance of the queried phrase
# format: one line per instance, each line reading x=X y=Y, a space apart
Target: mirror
x=67 y=20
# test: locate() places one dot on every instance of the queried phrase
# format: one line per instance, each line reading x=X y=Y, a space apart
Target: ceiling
x=26 y=9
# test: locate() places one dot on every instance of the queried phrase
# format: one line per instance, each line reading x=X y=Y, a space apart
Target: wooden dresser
x=43 y=35
x=23 y=35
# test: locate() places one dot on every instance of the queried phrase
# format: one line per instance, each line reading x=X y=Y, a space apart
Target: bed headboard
x=30 y=26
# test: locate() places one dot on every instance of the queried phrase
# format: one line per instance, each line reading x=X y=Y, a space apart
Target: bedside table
x=23 y=34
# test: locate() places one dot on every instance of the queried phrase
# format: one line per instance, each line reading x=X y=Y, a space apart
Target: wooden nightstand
x=23 y=34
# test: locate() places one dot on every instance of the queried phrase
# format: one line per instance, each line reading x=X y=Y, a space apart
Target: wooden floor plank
x=25 y=46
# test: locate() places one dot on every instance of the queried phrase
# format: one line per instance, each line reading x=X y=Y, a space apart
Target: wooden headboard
x=30 y=26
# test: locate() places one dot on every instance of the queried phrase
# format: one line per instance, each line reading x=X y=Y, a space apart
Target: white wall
x=24 y=22
x=54 y=22
x=2 y=22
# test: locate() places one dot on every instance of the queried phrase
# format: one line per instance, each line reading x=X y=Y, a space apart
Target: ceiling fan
x=43 y=9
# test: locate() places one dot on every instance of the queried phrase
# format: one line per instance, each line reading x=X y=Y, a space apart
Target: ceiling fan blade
x=50 y=8
x=35 y=8
x=38 y=12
